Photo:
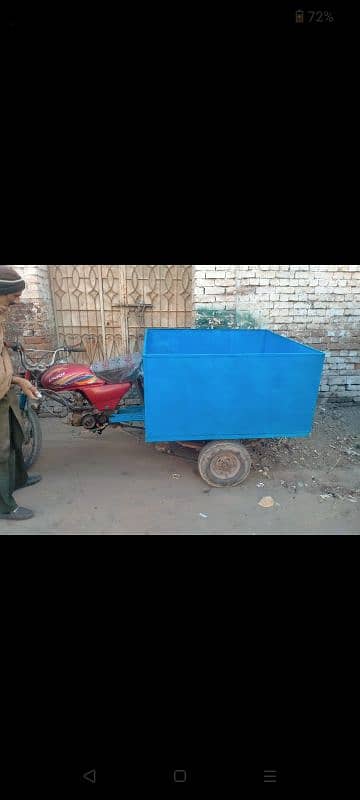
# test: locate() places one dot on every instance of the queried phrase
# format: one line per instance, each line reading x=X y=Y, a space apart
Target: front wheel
x=32 y=436
x=224 y=464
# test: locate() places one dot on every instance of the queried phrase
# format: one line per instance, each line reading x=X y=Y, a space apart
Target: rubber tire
x=213 y=449
x=32 y=420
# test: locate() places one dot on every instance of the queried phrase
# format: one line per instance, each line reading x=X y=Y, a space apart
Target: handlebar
x=75 y=349
x=41 y=367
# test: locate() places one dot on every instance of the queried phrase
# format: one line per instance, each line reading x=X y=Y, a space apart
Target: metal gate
x=106 y=307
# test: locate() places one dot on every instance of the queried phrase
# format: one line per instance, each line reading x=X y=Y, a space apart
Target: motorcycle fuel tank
x=69 y=377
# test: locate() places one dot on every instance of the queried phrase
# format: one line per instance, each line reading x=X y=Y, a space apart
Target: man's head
x=11 y=286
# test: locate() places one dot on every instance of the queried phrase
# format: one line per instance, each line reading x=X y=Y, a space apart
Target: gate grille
x=106 y=307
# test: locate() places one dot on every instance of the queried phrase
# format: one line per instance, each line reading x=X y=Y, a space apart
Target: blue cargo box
x=228 y=384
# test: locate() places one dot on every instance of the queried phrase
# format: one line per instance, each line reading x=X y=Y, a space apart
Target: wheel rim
x=225 y=466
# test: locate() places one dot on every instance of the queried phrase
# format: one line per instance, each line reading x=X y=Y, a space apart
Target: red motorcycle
x=89 y=397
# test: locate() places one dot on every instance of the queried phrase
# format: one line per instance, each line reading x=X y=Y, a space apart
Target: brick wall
x=214 y=294
x=318 y=304
x=33 y=320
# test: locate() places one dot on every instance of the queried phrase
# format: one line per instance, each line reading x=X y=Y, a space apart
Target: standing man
x=12 y=469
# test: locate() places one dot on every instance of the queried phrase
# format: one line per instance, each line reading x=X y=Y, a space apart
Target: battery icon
x=299 y=16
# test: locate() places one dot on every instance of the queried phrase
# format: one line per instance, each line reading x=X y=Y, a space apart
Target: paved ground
x=118 y=485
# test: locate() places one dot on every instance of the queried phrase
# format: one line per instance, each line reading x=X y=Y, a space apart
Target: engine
x=91 y=421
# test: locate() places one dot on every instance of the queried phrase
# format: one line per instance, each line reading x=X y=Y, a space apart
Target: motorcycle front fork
x=22 y=401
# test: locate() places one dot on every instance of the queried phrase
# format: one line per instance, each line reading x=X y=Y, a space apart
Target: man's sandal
x=32 y=479
x=18 y=515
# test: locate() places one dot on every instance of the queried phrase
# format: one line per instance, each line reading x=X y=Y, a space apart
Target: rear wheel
x=224 y=464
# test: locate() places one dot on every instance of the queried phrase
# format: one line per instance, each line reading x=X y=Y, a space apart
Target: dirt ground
x=116 y=484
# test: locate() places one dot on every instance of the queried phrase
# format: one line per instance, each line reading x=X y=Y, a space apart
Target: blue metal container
x=228 y=384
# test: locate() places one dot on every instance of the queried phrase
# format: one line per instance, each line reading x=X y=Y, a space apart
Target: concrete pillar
x=33 y=321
